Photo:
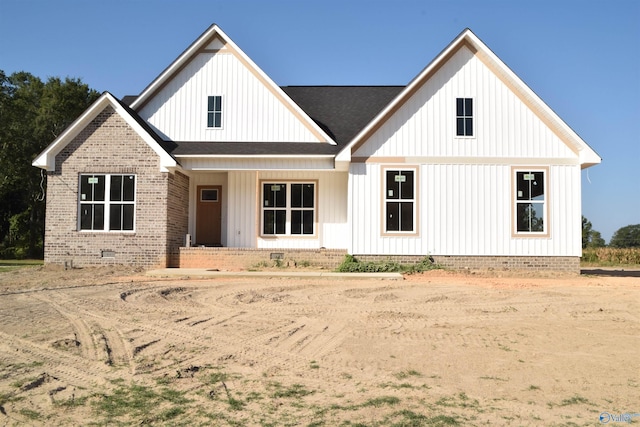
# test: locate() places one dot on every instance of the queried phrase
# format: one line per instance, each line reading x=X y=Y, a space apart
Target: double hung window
x=107 y=202
x=464 y=116
x=214 y=112
x=400 y=201
x=288 y=208
x=530 y=201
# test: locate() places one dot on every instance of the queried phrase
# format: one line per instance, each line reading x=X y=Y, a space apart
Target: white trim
x=46 y=159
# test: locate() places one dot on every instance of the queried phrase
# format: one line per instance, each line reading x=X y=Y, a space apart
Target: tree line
x=33 y=113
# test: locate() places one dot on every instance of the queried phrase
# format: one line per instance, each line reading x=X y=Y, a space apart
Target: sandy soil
x=110 y=347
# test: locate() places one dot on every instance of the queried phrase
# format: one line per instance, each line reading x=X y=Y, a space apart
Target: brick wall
x=226 y=259
x=530 y=263
x=109 y=145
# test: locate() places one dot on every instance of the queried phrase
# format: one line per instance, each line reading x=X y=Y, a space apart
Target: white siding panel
x=425 y=125
x=241 y=226
x=467 y=210
x=251 y=112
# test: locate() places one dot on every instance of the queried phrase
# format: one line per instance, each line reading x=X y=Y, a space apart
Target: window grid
x=400 y=201
x=464 y=116
x=288 y=208
x=214 y=112
x=530 y=208
x=99 y=212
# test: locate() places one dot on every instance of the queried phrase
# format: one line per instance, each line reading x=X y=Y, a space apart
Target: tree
x=32 y=114
x=590 y=237
x=626 y=237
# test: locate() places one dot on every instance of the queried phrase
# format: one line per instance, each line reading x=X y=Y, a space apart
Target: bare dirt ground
x=113 y=347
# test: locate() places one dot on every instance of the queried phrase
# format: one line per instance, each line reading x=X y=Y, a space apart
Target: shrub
x=352 y=265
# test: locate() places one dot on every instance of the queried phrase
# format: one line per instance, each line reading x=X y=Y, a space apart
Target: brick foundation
x=457 y=262
x=225 y=259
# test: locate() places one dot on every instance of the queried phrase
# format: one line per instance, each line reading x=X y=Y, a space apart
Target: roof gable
x=212 y=42
x=587 y=157
x=46 y=159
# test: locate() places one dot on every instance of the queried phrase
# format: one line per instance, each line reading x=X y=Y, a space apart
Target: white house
x=465 y=164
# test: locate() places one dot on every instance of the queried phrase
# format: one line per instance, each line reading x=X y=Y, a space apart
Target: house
x=214 y=165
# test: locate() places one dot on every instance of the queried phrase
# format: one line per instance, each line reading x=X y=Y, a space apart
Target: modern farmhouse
x=215 y=165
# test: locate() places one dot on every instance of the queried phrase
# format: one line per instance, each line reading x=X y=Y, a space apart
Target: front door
x=209 y=215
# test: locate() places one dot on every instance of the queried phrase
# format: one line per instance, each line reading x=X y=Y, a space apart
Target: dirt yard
x=113 y=347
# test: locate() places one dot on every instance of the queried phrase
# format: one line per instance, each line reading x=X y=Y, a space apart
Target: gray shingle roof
x=341 y=111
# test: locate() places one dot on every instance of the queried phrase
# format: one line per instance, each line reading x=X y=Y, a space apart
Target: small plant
x=381 y=401
x=408 y=373
x=350 y=264
x=314 y=365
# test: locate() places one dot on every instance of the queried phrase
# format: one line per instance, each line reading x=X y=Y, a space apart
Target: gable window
x=214 y=112
x=107 y=202
x=464 y=116
x=400 y=201
x=288 y=208
x=530 y=202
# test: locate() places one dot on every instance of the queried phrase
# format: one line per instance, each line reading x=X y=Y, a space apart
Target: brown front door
x=209 y=215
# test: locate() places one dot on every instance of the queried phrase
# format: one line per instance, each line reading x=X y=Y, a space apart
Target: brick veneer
x=457 y=262
x=246 y=258
x=109 y=145
x=226 y=259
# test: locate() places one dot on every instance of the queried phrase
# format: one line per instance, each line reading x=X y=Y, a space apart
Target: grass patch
x=382 y=401
x=294 y=391
x=31 y=414
x=14 y=264
x=403 y=375
x=138 y=401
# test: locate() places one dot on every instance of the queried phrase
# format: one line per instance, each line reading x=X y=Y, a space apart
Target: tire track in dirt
x=73 y=369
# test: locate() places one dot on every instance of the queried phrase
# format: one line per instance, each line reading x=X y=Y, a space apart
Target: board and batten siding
x=504 y=125
x=465 y=209
x=250 y=110
x=241 y=208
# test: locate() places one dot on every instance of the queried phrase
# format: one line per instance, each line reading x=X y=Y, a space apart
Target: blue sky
x=582 y=57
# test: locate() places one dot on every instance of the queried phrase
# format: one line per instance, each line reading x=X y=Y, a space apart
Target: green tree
x=590 y=237
x=626 y=237
x=32 y=114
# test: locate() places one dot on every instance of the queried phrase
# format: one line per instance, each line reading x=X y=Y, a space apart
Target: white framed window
x=464 y=117
x=288 y=208
x=530 y=202
x=107 y=202
x=214 y=112
x=400 y=197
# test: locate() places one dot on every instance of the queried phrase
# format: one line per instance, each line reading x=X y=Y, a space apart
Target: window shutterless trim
x=465 y=117
x=287 y=209
x=215 y=112
x=383 y=200
x=104 y=202
x=514 y=203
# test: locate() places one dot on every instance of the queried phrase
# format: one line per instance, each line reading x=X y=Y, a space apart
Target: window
x=288 y=208
x=530 y=205
x=214 y=112
x=107 y=202
x=400 y=201
x=464 y=116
